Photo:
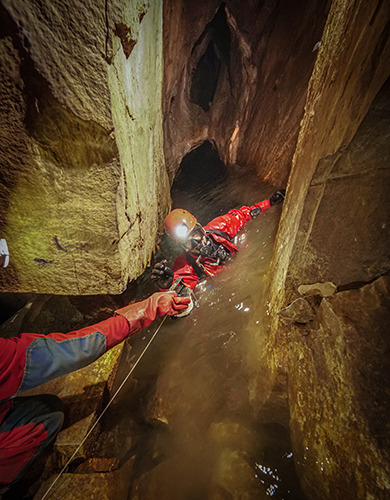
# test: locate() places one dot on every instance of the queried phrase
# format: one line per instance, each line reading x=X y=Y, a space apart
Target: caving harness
x=214 y=251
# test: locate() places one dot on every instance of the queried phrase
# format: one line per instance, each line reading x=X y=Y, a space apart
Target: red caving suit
x=28 y=424
x=229 y=224
x=30 y=360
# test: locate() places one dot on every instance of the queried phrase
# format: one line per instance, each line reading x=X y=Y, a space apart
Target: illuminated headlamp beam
x=181 y=232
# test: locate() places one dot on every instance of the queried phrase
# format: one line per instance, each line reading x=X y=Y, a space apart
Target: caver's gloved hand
x=141 y=314
x=255 y=211
x=277 y=197
x=162 y=274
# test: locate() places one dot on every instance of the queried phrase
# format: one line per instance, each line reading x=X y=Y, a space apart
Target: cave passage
x=205 y=79
x=192 y=390
x=206 y=74
x=200 y=168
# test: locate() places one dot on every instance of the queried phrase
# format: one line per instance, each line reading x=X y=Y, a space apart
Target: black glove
x=277 y=197
x=255 y=211
x=162 y=274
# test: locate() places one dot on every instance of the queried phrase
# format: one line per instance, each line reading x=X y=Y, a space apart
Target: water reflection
x=194 y=388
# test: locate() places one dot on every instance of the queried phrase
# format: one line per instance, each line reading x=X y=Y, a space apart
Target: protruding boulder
x=84 y=187
x=323 y=289
x=77 y=437
x=98 y=465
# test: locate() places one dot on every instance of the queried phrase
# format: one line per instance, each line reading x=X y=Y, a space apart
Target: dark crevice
x=8 y=26
x=205 y=78
x=217 y=53
x=124 y=33
x=355 y=285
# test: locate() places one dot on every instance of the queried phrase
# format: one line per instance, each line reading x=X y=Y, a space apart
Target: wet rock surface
x=338 y=379
x=334 y=227
x=299 y=311
x=81 y=133
x=255 y=110
x=105 y=486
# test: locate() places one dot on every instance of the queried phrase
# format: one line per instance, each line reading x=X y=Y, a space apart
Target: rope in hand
x=105 y=409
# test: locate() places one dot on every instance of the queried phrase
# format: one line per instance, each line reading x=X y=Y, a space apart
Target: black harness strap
x=219 y=233
x=198 y=270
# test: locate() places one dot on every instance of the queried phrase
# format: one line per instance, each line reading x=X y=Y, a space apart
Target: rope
x=105 y=409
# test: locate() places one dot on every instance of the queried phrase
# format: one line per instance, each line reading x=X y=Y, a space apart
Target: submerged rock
x=229 y=434
x=104 y=486
x=234 y=477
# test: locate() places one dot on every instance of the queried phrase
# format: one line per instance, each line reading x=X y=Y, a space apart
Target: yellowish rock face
x=85 y=185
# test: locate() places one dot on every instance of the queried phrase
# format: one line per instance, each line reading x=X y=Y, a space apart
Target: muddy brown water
x=190 y=416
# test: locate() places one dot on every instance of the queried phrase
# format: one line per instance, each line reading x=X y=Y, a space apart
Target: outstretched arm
x=32 y=359
x=235 y=219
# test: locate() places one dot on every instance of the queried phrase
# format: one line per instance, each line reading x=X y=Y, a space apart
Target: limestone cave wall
x=330 y=336
x=83 y=182
x=238 y=77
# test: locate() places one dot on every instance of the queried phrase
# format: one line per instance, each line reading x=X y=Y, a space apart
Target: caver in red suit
x=29 y=424
x=206 y=249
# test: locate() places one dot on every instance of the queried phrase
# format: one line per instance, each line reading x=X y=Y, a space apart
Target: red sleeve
x=183 y=269
x=32 y=359
x=235 y=219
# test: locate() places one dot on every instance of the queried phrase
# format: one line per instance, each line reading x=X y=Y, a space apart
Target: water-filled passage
x=195 y=417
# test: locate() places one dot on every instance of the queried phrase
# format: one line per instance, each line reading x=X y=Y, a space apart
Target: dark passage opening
x=200 y=168
x=205 y=77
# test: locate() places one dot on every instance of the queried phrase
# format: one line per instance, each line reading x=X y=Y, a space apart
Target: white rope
x=104 y=411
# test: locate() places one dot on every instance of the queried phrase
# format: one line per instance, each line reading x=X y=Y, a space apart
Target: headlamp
x=181 y=232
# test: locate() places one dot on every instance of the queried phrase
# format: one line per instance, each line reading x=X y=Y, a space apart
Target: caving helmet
x=178 y=224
